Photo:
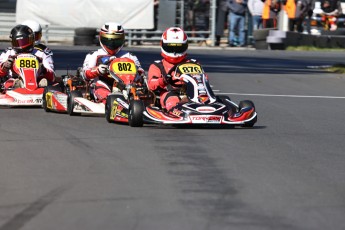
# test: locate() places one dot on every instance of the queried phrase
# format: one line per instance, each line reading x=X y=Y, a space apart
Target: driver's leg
x=169 y=100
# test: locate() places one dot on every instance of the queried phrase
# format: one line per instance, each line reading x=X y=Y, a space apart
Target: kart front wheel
x=47 y=89
x=109 y=106
x=135 y=116
x=244 y=104
x=71 y=103
x=44 y=100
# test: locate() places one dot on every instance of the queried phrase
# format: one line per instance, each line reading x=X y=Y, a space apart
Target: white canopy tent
x=132 y=14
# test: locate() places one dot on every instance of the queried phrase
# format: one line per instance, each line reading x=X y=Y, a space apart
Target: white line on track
x=277 y=95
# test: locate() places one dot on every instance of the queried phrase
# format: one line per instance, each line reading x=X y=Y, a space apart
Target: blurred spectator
x=331 y=9
x=296 y=11
x=237 y=14
x=270 y=13
x=256 y=8
x=197 y=16
x=222 y=10
x=310 y=11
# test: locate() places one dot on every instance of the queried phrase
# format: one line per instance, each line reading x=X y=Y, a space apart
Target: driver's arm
x=4 y=65
x=90 y=68
x=155 y=78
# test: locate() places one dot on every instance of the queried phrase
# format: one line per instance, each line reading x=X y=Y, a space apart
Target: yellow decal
x=190 y=68
x=124 y=68
x=27 y=63
x=49 y=100
x=113 y=110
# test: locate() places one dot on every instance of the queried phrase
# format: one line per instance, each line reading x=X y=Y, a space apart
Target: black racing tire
x=44 y=99
x=248 y=103
x=85 y=31
x=108 y=107
x=70 y=102
x=338 y=32
x=135 y=116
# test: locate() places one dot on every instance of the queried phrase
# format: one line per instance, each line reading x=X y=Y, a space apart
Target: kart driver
x=22 y=41
x=174 y=45
x=37 y=29
x=112 y=39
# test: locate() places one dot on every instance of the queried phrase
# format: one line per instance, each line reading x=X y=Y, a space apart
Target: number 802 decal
x=27 y=63
x=124 y=68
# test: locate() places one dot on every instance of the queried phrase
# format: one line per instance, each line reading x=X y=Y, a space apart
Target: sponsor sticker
x=205 y=109
x=203 y=119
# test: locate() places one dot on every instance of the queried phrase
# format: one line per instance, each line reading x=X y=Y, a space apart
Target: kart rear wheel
x=47 y=89
x=135 y=116
x=108 y=107
x=248 y=103
x=70 y=102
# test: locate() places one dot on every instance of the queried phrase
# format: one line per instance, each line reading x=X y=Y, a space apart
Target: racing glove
x=102 y=69
x=8 y=63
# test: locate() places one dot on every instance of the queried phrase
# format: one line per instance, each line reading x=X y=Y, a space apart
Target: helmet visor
x=178 y=48
x=112 y=41
x=22 y=43
x=38 y=36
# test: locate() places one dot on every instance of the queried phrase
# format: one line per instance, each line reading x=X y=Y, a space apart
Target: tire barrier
x=85 y=36
x=275 y=39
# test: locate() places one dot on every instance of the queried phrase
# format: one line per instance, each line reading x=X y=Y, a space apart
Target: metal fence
x=61 y=34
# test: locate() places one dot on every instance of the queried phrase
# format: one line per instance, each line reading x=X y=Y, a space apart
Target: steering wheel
x=170 y=79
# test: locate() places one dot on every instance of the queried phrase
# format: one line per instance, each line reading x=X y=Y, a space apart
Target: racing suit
x=44 y=57
x=103 y=83
x=157 y=83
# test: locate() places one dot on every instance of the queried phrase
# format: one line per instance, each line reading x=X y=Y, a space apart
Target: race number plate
x=190 y=68
x=28 y=62
x=124 y=68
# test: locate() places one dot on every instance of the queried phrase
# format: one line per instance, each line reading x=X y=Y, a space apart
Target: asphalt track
x=60 y=172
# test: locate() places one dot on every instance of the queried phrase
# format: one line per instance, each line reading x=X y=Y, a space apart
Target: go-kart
x=133 y=95
x=77 y=97
x=74 y=97
x=55 y=98
x=199 y=105
x=25 y=91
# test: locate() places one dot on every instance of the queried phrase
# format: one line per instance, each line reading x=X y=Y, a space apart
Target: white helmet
x=174 y=45
x=112 y=37
x=36 y=28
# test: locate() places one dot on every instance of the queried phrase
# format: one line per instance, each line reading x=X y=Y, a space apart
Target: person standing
x=310 y=11
x=237 y=17
x=270 y=13
x=255 y=8
x=222 y=10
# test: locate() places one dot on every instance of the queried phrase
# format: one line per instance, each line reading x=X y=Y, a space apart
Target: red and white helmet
x=36 y=28
x=174 y=45
x=112 y=37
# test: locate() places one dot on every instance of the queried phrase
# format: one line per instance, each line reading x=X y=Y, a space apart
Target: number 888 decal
x=27 y=63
